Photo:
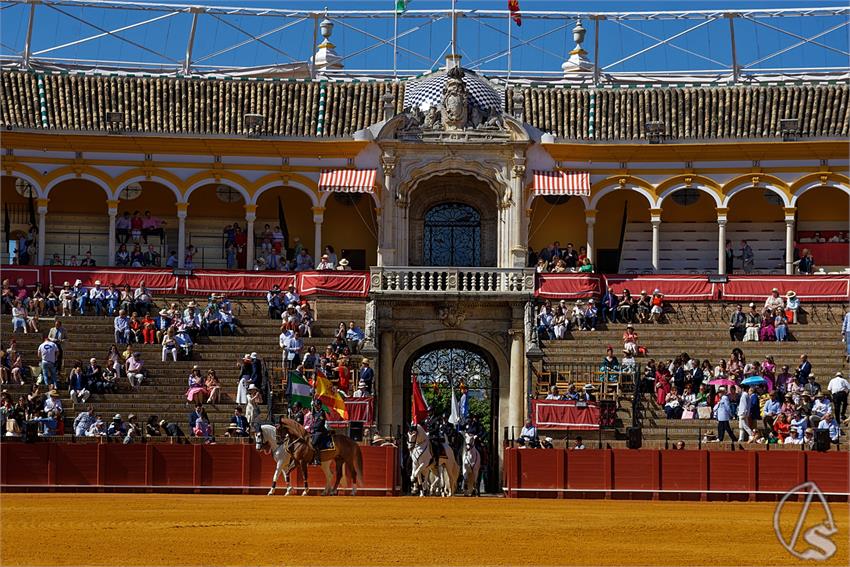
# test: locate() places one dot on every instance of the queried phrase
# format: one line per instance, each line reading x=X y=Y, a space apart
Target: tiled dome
x=428 y=91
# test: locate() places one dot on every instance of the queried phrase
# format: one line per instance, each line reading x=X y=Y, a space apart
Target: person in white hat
x=792 y=304
x=81 y=296
x=324 y=264
x=343 y=266
x=96 y=296
x=753 y=324
x=66 y=299
x=590 y=315
x=774 y=301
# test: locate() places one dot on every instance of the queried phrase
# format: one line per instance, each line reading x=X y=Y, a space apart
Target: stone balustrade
x=437 y=280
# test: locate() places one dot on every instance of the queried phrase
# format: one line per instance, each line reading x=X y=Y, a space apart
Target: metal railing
x=448 y=280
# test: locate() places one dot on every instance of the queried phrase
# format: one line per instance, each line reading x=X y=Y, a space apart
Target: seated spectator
x=560 y=323
x=343 y=266
x=122 y=256
x=354 y=337
x=56 y=261
x=630 y=339
x=148 y=329
x=303 y=261
x=579 y=444
x=197 y=391
x=554 y=394
x=643 y=306
x=84 y=421
x=673 y=406
x=116 y=428
x=780 y=327
x=152 y=226
x=585 y=266
x=185 y=344
x=753 y=323
x=577 y=315
x=191 y=321
x=625 y=307
x=169 y=345
x=226 y=320
x=171 y=261
x=211 y=323
x=136 y=329
x=610 y=366
x=545 y=323
x=152 y=258
x=820 y=408
x=125 y=300
x=275 y=302
x=97 y=429
x=238 y=424
x=78 y=384
x=135 y=368
x=172 y=430
x=792 y=306
x=110 y=298
x=324 y=264
x=213 y=386
x=137 y=257
x=773 y=301
x=121 y=325
x=806 y=263
x=657 y=310
x=830 y=424
x=767 y=332
x=529 y=432
x=142 y=299
x=782 y=427
x=361 y=391
x=133 y=429
x=19 y=318
x=590 y=316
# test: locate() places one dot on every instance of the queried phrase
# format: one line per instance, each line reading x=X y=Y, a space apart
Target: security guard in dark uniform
x=318 y=428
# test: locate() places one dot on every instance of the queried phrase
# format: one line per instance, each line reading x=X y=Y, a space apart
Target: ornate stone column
x=182 y=210
x=519 y=241
x=516 y=396
x=112 y=211
x=655 y=219
x=250 y=217
x=721 y=240
x=318 y=217
x=790 y=220
x=590 y=220
x=41 y=205
x=387 y=238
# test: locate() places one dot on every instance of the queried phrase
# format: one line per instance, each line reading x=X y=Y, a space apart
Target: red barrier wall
x=713 y=474
x=173 y=466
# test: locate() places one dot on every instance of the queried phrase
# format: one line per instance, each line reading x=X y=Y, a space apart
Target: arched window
x=452 y=236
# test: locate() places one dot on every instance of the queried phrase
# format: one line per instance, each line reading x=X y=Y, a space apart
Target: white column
x=181 y=234
x=789 y=240
x=318 y=217
x=721 y=245
x=590 y=220
x=516 y=409
x=112 y=211
x=655 y=219
x=42 y=230
x=250 y=217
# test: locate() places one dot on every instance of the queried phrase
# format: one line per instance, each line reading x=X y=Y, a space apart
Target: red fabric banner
x=337 y=284
x=555 y=414
x=569 y=286
x=808 y=288
x=155 y=279
x=204 y=282
x=674 y=288
x=31 y=274
x=829 y=253
x=359 y=409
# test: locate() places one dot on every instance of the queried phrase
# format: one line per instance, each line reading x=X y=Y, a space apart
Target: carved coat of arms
x=455 y=101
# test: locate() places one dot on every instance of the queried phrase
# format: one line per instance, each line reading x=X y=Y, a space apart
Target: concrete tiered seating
x=692 y=247
x=701 y=330
x=163 y=393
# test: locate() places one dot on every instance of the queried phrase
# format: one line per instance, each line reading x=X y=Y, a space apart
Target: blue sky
x=480 y=43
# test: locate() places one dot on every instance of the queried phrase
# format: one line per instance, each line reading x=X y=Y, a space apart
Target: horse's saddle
x=326 y=443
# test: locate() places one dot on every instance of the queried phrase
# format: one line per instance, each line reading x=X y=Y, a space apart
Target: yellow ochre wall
x=297 y=208
x=156 y=198
x=750 y=205
x=823 y=204
x=351 y=227
x=610 y=216
x=564 y=223
x=77 y=196
x=8 y=194
x=704 y=210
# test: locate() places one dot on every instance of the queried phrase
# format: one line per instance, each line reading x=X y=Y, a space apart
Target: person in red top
x=782 y=427
x=657 y=306
x=136 y=226
x=149 y=329
x=344 y=374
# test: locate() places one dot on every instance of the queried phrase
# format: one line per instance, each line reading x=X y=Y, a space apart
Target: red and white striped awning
x=562 y=182
x=347 y=180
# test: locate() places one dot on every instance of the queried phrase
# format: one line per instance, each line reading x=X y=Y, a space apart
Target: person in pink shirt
x=151 y=226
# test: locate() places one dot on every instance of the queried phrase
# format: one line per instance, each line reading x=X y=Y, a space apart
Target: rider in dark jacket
x=319 y=428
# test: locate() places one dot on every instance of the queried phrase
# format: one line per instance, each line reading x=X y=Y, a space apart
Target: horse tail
x=358 y=464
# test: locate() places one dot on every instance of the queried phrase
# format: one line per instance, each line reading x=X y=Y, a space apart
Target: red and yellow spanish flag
x=513 y=6
x=331 y=400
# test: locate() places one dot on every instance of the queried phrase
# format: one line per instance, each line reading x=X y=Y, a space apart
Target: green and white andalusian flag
x=401 y=6
x=299 y=390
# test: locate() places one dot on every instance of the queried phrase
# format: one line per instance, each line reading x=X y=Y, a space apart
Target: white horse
x=423 y=467
x=471 y=460
x=266 y=440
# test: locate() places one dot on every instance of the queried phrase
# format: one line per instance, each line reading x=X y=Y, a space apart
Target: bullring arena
x=546 y=287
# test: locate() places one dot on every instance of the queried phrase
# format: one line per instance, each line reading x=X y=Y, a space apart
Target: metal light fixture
x=654 y=131
x=789 y=128
x=115 y=122
x=254 y=124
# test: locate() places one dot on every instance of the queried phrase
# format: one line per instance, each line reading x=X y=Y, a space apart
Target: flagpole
x=454 y=28
x=395 y=44
x=510 y=41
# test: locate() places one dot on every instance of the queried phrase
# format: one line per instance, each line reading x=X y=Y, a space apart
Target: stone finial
x=388 y=104
x=519 y=105
x=326 y=57
x=578 y=61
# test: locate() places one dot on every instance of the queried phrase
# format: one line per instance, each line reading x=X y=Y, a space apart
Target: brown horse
x=344 y=452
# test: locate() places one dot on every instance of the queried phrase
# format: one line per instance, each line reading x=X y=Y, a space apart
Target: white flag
x=454 y=418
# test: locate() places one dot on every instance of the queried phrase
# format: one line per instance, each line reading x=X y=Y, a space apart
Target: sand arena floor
x=160 y=529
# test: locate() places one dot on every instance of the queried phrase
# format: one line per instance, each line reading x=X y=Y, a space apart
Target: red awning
x=562 y=183
x=347 y=180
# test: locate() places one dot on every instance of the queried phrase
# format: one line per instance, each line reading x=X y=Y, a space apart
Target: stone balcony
x=406 y=280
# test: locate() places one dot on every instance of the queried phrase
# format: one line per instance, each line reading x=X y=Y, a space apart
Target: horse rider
x=296 y=413
x=318 y=428
x=434 y=426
